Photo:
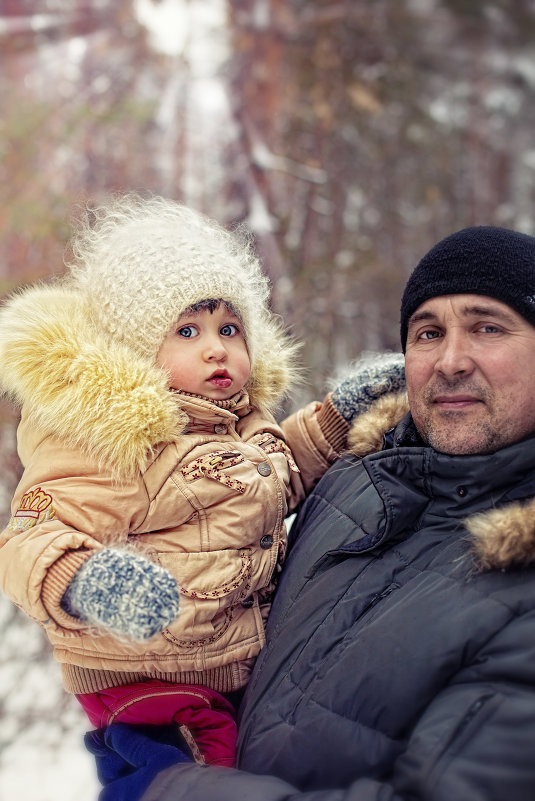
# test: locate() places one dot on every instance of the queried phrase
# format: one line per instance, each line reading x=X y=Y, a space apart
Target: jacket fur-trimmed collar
x=96 y=394
x=502 y=538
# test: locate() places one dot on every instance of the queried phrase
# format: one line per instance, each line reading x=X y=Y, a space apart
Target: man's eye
x=229 y=330
x=490 y=329
x=187 y=331
x=427 y=335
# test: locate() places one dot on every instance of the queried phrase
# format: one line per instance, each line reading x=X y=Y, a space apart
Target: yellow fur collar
x=501 y=538
x=96 y=394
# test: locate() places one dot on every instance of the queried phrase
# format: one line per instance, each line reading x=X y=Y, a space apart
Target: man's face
x=470 y=370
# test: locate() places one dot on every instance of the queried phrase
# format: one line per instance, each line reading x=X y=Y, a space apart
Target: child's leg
x=205 y=718
x=133 y=755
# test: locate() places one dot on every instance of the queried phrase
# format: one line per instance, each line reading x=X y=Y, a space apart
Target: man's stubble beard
x=457 y=441
x=451 y=431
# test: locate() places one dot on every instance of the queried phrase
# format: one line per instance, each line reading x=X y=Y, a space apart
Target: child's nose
x=215 y=350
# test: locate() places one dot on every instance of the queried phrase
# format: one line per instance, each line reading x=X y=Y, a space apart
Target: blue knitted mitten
x=124 y=592
x=373 y=375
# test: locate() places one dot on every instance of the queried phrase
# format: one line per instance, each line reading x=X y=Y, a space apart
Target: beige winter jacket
x=112 y=457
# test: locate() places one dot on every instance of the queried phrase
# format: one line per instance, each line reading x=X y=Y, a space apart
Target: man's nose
x=454 y=357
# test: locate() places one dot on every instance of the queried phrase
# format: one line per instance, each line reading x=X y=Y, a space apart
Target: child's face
x=205 y=354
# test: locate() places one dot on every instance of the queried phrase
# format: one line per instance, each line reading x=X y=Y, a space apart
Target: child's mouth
x=221 y=380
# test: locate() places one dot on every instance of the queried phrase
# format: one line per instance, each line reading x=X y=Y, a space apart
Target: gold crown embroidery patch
x=35 y=507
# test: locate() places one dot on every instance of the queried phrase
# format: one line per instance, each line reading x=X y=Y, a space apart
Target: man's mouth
x=452 y=402
x=220 y=379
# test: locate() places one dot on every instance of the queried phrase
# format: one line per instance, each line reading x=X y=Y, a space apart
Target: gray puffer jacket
x=400 y=661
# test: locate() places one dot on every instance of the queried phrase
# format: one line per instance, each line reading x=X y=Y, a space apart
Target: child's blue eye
x=187 y=331
x=229 y=330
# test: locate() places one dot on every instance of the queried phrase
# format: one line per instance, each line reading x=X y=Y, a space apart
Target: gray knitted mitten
x=373 y=375
x=124 y=592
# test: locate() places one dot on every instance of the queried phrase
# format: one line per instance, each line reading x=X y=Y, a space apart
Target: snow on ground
x=42 y=755
x=36 y=767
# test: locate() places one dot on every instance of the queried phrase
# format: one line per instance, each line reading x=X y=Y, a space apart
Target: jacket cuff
x=333 y=426
x=57 y=579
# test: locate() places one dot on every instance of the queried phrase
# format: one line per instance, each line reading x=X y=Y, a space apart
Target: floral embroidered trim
x=193 y=747
x=212 y=466
x=243 y=575
x=271 y=444
x=243 y=580
x=207 y=640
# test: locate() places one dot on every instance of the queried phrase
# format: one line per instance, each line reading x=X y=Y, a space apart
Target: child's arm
x=318 y=433
x=124 y=592
x=371 y=377
x=65 y=516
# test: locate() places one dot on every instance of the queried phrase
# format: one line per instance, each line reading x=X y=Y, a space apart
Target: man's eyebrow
x=481 y=310
x=489 y=310
x=419 y=317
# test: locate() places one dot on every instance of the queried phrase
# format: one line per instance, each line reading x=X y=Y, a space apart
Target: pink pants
x=205 y=718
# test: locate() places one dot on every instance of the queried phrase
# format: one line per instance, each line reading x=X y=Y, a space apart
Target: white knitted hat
x=145 y=261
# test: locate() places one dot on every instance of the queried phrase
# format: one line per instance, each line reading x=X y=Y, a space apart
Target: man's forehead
x=465 y=306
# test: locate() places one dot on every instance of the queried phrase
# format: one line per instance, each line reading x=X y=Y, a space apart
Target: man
x=400 y=661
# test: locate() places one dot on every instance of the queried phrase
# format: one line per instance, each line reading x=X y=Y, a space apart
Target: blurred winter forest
x=348 y=136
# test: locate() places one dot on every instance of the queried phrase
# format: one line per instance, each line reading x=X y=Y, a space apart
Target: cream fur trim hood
x=501 y=538
x=98 y=394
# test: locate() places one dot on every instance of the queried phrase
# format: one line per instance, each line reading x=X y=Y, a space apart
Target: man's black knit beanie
x=483 y=260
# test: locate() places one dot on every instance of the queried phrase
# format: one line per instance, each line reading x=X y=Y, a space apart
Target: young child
x=154 y=469
x=155 y=475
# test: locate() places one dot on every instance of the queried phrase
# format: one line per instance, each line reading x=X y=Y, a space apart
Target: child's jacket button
x=266 y=541
x=220 y=429
x=264 y=469
x=247 y=602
